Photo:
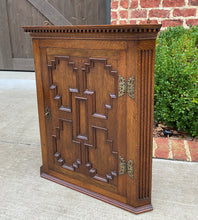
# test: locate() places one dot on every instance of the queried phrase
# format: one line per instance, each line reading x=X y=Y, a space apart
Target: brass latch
x=126 y=167
x=47 y=112
x=128 y=87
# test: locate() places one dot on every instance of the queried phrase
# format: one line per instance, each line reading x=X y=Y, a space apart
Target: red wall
x=165 y=12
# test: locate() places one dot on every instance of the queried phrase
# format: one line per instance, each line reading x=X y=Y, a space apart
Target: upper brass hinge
x=128 y=87
x=126 y=167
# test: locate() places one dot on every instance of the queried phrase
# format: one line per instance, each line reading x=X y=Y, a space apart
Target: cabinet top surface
x=144 y=29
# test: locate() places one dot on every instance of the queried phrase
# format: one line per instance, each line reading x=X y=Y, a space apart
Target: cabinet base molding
x=95 y=92
x=124 y=206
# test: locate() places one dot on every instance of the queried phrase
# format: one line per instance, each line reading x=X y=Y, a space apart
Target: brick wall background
x=165 y=12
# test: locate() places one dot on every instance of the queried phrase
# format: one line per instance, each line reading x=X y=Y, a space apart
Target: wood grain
x=23 y=64
x=5 y=43
x=82 y=12
x=88 y=126
x=114 y=202
x=15 y=45
x=51 y=13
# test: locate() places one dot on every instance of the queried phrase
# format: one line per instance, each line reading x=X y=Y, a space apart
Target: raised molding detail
x=77 y=73
x=80 y=135
x=94 y=29
x=145 y=138
x=93 y=172
x=57 y=155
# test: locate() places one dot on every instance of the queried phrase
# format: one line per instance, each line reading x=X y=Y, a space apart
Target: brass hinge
x=128 y=87
x=126 y=167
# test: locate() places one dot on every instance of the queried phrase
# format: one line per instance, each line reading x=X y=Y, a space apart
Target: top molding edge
x=145 y=28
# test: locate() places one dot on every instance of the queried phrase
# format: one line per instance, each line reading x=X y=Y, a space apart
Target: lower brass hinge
x=126 y=167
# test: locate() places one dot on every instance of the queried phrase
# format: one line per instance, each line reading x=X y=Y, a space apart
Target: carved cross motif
x=83 y=111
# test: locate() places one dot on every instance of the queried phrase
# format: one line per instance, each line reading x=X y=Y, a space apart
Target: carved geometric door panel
x=95 y=99
x=83 y=101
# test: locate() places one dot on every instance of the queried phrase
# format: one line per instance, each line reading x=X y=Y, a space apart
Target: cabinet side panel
x=40 y=100
x=146 y=58
x=132 y=121
x=121 y=123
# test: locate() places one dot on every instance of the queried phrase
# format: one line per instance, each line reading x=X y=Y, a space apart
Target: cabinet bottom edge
x=135 y=210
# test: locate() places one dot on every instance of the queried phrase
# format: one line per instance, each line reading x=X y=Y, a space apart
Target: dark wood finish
x=95 y=100
x=126 y=207
x=16 y=47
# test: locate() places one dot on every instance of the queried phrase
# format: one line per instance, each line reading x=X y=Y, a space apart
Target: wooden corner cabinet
x=95 y=101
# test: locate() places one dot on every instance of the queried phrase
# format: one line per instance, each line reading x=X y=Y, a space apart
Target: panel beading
x=146 y=60
x=94 y=29
x=86 y=122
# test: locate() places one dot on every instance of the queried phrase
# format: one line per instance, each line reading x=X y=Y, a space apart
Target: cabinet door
x=85 y=123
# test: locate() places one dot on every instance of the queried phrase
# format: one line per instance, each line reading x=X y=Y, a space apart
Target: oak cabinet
x=95 y=102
